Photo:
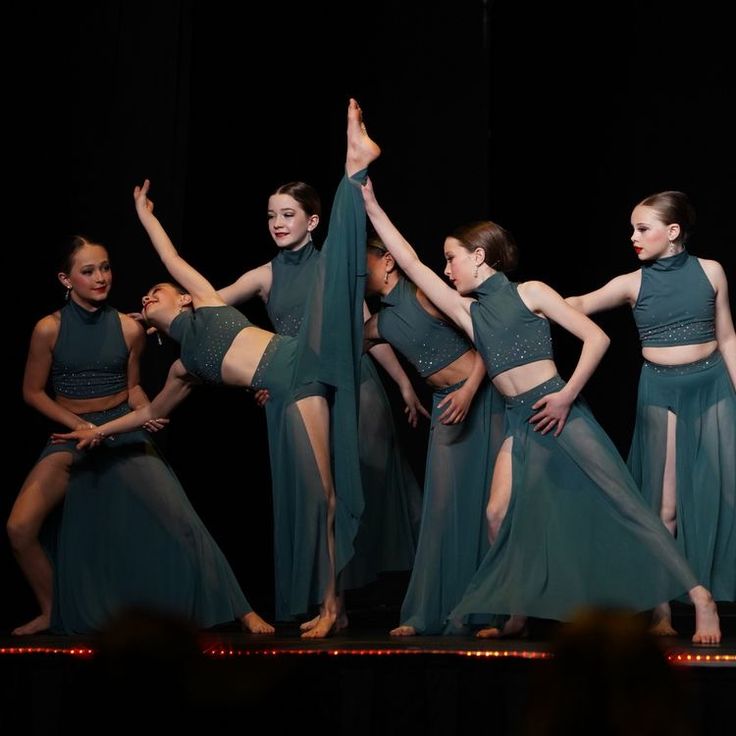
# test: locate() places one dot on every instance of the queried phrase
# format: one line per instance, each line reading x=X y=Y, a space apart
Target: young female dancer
x=683 y=452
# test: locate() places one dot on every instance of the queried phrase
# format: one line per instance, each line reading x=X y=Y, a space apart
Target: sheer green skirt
x=702 y=398
x=453 y=536
x=129 y=536
x=577 y=532
x=389 y=527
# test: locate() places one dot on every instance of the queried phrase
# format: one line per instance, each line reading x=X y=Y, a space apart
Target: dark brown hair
x=303 y=193
x=497 y=243
x=71 y=249
x=673 y=208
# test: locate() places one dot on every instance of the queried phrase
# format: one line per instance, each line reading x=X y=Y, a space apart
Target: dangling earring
x=475 y=271
x=671 y=247
x=385 y=277
x=68 y=293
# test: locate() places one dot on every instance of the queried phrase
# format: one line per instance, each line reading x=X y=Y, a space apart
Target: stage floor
x=366 y=643
x=368 y=635
x=151 y=679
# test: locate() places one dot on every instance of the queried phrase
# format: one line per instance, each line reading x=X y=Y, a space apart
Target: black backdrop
x=552 y=119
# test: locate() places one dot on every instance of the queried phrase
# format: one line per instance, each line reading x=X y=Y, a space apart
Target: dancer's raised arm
x=446 y=299
x=201 y=290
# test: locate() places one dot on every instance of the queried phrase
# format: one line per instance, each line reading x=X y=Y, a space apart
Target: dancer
x=389 y=525
x=683 y=452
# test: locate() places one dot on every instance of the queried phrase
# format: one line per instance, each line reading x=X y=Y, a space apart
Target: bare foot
x=514 y=626
x=490 y=633
x=255 y=624
x=707 y=623
x=34 y=626
x=341 y=622
x=404 y=631
x=309 y=625
x=323 y=628
x=361 y=148
x=662 y=621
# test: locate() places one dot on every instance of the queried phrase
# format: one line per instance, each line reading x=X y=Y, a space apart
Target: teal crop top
x=676 y=303
x=507 y=333
x=293 y=275
x=90 y=357
x=205 y=335
x=427 y=342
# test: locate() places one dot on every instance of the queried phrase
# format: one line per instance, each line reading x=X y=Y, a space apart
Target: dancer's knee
x=22 y=532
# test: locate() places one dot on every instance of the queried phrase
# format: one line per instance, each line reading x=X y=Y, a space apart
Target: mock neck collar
x=85 y=315
x=670 y=263
x=295 y=257
x=495 y=282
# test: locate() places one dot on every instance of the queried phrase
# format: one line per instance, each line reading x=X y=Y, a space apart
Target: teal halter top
x=205 y=335
x=293 y=274
x=90 y=358
x=427 y=342
x=676 y=303
x=507 y=333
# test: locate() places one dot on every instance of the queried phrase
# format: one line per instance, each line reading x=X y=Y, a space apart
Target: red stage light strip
x=703 y=659
x=479 y=653
x=675 y=658
x=73 y=651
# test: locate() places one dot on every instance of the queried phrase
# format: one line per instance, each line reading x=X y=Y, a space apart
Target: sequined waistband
x=259 y=375
x=529 y=397
x=715 y=358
